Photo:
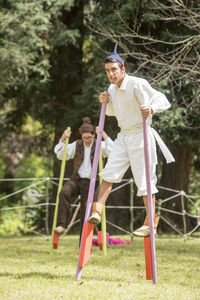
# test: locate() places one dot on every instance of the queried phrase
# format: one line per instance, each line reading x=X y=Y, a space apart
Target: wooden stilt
x=86 y=238
x=149 y=199
x=85 y=250
x=103 y=244
x=62 y=172
x=100 y=239
x=147 y=252
x=55 y=240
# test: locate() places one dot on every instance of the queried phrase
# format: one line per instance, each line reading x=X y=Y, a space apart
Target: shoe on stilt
x=144 y=230
x=95 y=217
x=60 y=229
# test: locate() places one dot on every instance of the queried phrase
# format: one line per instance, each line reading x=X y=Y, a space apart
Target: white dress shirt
x=125 y=101
x=85 y=168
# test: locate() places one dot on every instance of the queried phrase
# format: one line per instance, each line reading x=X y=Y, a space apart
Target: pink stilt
x=149 y=199
x=86 y=247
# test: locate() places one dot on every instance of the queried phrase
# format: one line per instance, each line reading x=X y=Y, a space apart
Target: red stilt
x=86 y=246
x=86 y=238
x=55 y=240
x=147 y=251
x=100 y=239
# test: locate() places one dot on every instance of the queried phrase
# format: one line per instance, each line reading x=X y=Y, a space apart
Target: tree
x=39 y=75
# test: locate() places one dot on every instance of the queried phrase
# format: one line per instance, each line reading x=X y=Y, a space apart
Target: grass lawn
x=30 y=270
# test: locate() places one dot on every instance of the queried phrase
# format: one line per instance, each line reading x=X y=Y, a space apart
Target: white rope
x=172 y=197
x=26 y=206
x=177 y=191
x=54 y=182
x=121 y=186
x=193 y=216
x=36 y=232
x=172 y=211
x=23 y=179
x=23 y=189
x=193 y=230
x=168 y=189
x=33 y=178
x=117 y=207
x=127 y=182
x=120 y=228
x=191 y=201
x=125 y=207
x=33 y=238
x=68 y=228
x=40 y=178
x=67 y=178
x=171 y=225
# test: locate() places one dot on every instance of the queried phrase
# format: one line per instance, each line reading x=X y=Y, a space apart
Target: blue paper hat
x=116 y=56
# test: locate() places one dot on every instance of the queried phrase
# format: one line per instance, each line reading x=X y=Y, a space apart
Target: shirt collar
x=124 y=83
x=88 y=147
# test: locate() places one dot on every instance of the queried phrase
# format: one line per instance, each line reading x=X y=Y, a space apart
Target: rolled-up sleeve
x=106 y=147
x=149 y=96
x=60 y=147
x=109 y=109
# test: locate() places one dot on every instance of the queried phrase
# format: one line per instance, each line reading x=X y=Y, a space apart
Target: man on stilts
x=130 y=99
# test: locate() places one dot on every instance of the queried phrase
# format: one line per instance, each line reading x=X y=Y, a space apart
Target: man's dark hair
x=112 y=60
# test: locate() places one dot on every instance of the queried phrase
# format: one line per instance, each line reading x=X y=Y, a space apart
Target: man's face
x=114 y=73
x=88 y=138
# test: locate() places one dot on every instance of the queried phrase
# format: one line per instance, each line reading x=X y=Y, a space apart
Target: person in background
x=82 y=152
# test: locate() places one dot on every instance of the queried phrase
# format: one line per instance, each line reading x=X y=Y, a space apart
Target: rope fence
x=161 y=210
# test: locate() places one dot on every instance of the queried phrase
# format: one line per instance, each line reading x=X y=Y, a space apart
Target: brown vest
x=79 y=156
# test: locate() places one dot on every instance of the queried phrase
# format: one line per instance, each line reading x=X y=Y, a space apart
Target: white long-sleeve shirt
x=125 y=101
x=85 y=168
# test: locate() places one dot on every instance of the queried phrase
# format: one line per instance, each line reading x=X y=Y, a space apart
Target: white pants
x=128 y=150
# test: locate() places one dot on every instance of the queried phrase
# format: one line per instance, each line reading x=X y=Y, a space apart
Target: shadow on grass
x=35 y=275
x=44 y=275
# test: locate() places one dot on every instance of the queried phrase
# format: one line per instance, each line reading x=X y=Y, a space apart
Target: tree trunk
x=176 y=176
x=68 y=79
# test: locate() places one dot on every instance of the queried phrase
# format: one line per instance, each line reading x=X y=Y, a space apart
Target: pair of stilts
x=88 y=228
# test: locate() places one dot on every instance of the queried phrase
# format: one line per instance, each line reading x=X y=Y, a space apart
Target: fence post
x=159 y=207
x=183 y=211
x=47 y=208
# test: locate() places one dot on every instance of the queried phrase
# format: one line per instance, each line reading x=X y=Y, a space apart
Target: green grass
x=30 y=270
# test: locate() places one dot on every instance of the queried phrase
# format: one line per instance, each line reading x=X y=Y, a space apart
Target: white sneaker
x=95 y=218
x=60 y=229
x=143 y=231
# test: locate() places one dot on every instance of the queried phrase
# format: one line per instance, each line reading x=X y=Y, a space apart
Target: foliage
x=34 y=166
x=28 y=219
x=23 y=50
x=30 y=59
x=1 y=168
x=11 y=224
x=160 y=43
